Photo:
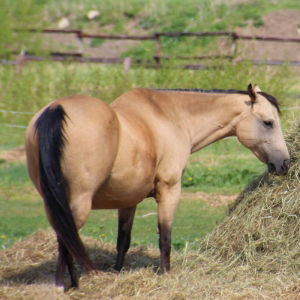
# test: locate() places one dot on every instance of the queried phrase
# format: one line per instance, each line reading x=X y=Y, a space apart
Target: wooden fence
x=158 y=56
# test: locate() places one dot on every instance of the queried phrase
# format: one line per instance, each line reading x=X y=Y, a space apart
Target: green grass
x=226 y=167
x=11 y=137
x=21 y=212
x=19 y=222
x=194 y=218
x=13 y=175
x=19 y=15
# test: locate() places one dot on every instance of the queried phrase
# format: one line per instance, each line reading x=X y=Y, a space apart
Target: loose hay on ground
x=27 y=272
x=253 y=254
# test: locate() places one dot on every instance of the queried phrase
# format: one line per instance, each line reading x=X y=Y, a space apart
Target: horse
x=84 y=154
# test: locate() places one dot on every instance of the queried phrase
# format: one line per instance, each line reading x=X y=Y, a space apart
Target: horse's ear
x=252 y=93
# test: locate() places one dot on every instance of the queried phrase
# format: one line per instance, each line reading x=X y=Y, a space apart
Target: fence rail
x=158 y=56
x=154 y=36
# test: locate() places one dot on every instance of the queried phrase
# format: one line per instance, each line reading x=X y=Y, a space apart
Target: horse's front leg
x=126 y=216
x=167 y=198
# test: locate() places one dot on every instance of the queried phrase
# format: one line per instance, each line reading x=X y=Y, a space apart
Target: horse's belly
x=132 y=176
x=124 y=190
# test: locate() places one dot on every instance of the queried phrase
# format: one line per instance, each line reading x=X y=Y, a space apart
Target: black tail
x=51 y=140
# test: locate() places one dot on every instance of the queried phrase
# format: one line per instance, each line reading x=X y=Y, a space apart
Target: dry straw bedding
x=253 y=254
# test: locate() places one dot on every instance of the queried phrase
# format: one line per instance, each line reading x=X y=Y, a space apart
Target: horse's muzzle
x=279 y=169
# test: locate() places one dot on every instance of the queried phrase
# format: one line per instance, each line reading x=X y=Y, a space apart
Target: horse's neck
x=207 y=118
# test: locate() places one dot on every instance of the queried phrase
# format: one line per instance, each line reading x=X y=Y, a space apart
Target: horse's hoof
x=60 y=288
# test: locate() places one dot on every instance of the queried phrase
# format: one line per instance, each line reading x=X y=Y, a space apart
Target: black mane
x=269 y=97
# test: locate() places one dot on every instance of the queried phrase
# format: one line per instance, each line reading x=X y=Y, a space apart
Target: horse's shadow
x=104 y=261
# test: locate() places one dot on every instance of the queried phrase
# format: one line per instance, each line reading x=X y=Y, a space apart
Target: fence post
x=127 y=64
x=80 y=42
x=234 y=38
x=20 y=61
x=158 y=49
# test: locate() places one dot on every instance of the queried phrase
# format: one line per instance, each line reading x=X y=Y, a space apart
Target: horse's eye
x=268 y=124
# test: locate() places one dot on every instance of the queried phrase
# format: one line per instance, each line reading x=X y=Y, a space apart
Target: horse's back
x=91 y=142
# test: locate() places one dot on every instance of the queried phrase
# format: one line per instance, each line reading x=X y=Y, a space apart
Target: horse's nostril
x=271 y=168
x=279 y=169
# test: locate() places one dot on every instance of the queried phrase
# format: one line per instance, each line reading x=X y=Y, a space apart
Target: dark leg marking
x=165 y=247
x=126 y=216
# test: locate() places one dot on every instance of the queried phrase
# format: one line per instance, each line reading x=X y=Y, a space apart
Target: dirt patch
x=278 y=24
x=108 y=49
x=114 y=48
x=17 y=154
x=214 y=200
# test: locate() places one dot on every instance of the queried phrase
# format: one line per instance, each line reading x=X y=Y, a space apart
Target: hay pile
x=262 y=229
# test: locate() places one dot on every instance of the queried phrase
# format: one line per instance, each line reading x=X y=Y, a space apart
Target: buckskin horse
x=84 y=154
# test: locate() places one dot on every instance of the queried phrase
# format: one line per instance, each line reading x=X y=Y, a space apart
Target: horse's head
x=259 y=130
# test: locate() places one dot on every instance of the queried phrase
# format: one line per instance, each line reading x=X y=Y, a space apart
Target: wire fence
x=18 y=113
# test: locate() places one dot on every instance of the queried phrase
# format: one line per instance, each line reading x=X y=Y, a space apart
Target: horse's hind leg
x=126 y=216
x=80 y=207
x=65 y=259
